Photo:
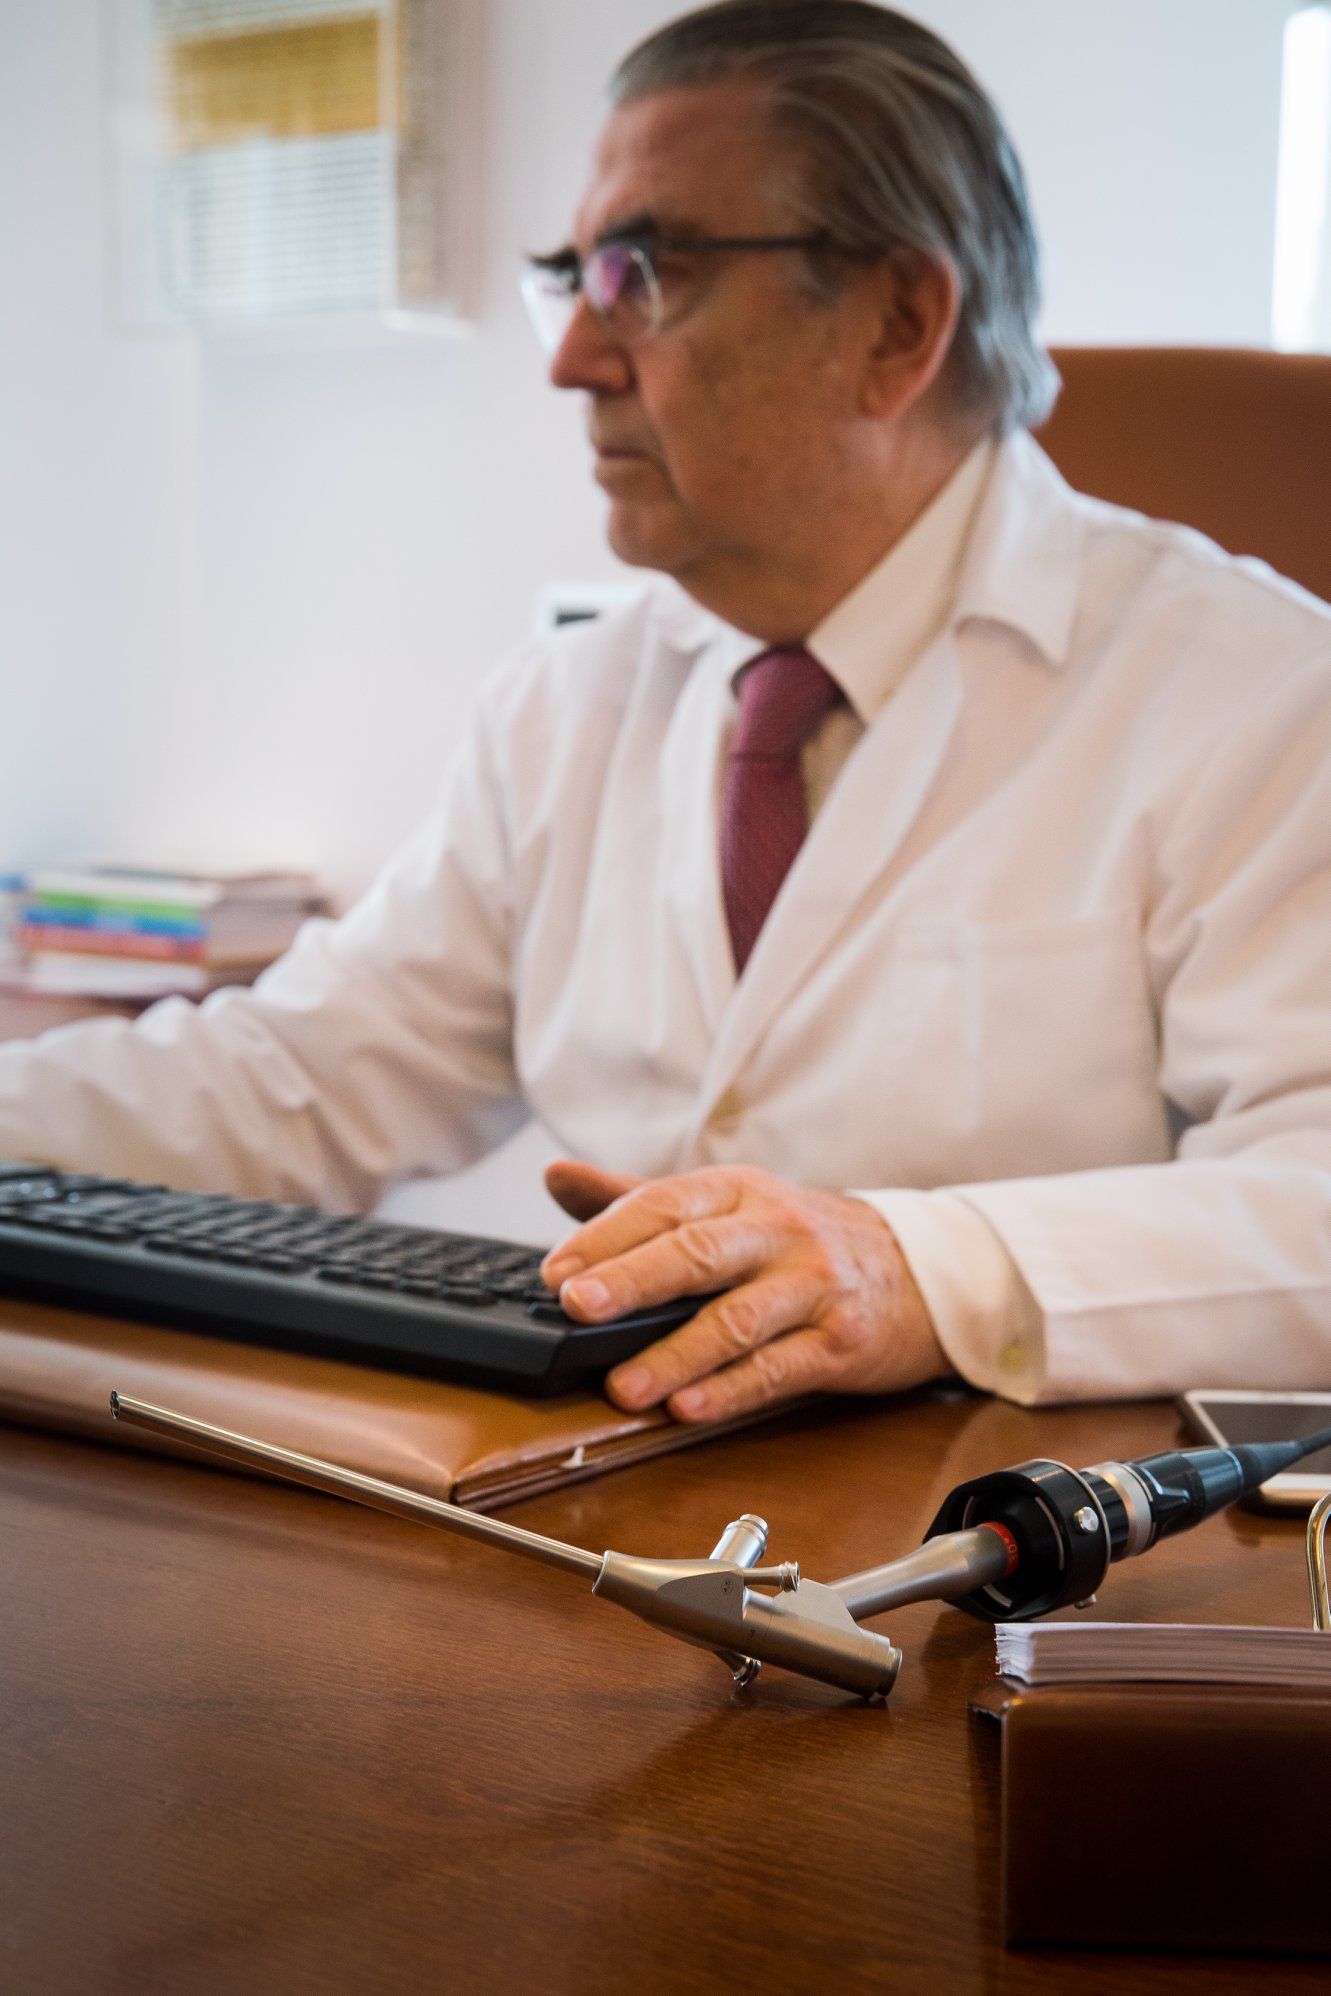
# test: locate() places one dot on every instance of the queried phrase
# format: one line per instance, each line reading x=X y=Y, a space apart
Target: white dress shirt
x=1056 y=952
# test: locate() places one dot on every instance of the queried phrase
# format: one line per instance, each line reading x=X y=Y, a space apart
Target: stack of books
x=11 y=896
x=107 y=931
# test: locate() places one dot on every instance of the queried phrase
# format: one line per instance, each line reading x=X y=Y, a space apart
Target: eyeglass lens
x=618 y=282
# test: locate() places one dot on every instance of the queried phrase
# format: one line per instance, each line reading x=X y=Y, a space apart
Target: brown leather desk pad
x=483 y=1449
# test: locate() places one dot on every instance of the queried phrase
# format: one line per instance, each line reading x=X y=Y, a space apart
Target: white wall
x=245 y=594
x=1149 y=131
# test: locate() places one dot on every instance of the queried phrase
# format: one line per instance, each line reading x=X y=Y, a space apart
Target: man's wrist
x=985 y=1319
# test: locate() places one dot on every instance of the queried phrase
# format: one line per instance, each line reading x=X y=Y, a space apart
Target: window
x=293 y=160
x=1301 y=307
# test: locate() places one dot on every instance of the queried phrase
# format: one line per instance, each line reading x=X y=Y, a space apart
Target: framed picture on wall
x=294 y=162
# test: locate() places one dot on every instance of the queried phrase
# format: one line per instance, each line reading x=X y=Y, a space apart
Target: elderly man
x=916 y=911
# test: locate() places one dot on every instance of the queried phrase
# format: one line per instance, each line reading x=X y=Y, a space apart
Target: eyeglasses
x=619 y=280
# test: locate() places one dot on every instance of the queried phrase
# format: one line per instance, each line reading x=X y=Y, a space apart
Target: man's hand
x=818 y=1295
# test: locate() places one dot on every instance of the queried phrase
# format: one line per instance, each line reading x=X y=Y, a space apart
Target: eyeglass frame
x=641 y=247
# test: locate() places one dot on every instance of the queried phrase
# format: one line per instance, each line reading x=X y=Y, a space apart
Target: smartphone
x=1227 y=1415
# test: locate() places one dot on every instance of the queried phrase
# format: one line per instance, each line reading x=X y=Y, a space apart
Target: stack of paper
x=127 y=932
x=1163 y=1652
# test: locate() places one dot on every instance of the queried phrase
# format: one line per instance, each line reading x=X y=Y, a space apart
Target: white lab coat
x=1060 y=938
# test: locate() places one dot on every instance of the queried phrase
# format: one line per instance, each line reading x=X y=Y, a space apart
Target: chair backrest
x=1235 y=443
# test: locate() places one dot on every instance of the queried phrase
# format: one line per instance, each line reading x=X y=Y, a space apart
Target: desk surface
x=25 y=1013
x=258 y=1740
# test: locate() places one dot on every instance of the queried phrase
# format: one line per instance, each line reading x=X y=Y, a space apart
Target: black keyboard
x=408 y=1298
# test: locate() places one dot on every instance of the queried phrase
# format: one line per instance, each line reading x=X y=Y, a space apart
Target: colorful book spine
x=35 y=937
x=99 y=887
x=110 y=920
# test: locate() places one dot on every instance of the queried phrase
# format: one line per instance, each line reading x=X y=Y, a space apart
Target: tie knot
x=783 y=696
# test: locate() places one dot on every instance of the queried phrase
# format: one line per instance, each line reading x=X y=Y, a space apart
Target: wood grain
x=257 y=1740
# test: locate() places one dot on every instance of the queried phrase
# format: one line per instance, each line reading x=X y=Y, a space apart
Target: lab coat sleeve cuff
x=985 y=1317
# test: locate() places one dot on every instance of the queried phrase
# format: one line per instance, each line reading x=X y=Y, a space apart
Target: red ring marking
x=1009 y=1546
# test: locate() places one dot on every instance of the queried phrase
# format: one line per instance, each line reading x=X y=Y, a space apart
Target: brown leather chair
x=1235 y=443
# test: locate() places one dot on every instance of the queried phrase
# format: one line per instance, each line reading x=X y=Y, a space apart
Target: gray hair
x=901 y=149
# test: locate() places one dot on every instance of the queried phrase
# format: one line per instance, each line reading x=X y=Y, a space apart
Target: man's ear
x=916 y=300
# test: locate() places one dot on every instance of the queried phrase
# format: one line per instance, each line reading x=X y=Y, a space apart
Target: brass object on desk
x=1317 y=1579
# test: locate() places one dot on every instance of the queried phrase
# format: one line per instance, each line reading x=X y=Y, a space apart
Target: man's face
x=722 y=440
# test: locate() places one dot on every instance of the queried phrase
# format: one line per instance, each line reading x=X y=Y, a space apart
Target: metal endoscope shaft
x=943 y=1569
x=710 y=1603
x=357 y=1489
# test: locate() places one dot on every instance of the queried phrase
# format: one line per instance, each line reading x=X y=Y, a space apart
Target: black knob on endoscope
x=1055 y=1521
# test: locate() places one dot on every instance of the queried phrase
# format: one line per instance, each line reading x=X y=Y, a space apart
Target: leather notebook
x=465 y=1444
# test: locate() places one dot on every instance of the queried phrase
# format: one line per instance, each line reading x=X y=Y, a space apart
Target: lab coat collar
x=1023 y=566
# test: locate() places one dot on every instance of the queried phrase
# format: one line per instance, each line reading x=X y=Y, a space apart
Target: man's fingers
x=643 y=1210
x=789 y=1366
x=583 y=1190
x=736 y=1324
x=689 y=1260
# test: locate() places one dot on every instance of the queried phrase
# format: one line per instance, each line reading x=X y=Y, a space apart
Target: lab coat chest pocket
x=1034 y=1043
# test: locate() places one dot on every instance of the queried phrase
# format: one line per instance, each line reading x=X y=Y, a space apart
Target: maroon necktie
x=783 y=696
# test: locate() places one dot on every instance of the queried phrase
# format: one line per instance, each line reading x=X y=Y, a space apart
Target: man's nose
x=589 y=356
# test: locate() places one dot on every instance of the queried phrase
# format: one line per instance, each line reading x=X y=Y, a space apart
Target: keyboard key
x=30 y=1192
x=55 y=1219
x=548 y=1311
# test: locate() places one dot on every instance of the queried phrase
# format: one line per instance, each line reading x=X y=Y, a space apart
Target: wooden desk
x=255 y=1740
x=24 y=1013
